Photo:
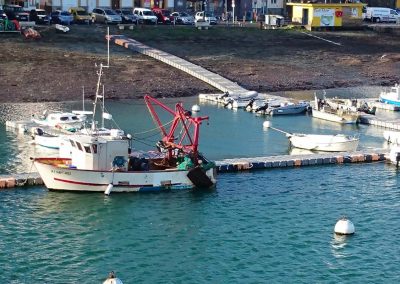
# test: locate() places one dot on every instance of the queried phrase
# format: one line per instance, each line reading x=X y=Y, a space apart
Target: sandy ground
x=57 y=66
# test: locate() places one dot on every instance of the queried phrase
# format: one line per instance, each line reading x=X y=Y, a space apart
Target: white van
x=145 y=16
x=381 y=14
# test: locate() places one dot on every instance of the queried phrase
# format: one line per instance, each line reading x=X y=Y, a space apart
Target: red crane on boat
x=183 y=121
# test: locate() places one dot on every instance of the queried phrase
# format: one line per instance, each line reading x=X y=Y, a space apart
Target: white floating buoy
x=195 y=108
x=344 y=227
x=108 y=189
x=112 y=279
x=266 y=124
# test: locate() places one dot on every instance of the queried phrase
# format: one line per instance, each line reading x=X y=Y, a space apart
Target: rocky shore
x=56 y=67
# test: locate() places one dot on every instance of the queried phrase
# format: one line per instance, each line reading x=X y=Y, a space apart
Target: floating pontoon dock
x=201 y=73
x=373 y=120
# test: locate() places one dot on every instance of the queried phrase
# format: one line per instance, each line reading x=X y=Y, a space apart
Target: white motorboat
x=61 y=120
x=323 y=111
x=392 y=96
x=41 y=138
x=392 y=136
x=104 y=163
x=289 y=108
x=319 y=142
x=326 y=143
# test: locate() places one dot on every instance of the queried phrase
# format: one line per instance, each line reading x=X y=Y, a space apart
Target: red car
x=163 y=15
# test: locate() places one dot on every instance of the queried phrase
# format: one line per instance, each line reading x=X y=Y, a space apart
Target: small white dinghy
x=318 y=142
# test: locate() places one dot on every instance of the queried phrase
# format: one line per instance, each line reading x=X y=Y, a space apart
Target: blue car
x=61 y=17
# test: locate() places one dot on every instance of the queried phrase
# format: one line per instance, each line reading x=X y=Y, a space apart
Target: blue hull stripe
x=396 y=103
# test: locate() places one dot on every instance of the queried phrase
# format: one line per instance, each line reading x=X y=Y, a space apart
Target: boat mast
x=100 y=73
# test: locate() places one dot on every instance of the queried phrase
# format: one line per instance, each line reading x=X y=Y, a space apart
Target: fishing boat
x=350 y=105
x=323 y=111
x=105 y=163
x=319 y=142
x=392 y=96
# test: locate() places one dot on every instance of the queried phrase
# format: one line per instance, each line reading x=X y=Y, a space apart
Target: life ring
x=339 y=14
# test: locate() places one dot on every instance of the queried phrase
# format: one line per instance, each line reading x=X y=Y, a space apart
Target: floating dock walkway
x=285 y=161
x=373 y=120
x=243 y=164
x=201 y=73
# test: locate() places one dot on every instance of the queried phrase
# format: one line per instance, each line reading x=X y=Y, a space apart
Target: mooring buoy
x=195 y=108
x=344 y=227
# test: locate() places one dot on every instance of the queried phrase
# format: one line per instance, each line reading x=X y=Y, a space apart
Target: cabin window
x=79 y=146
x=87 y=149
x=64 y=118
x=94 y=147
x=72 y=143
x=75 y=118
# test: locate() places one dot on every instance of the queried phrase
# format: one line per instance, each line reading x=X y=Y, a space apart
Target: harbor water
x=266 y=226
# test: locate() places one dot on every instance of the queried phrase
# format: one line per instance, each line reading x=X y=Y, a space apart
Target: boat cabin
x=63 y=118
x=101 y=153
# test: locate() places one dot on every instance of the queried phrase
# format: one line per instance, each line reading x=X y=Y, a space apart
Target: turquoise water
x=261 y=227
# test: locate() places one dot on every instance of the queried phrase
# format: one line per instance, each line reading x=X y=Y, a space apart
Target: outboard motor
x=249 y=106
x=230 y=101
x=262 y=108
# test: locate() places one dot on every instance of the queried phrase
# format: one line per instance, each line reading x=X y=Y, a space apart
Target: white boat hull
x=344 y=119
x=290 y=109
x=52 y=142
x=70 y=179
x=327 y=143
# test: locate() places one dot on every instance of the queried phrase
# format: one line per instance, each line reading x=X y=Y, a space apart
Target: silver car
x=182 y=18
x=106 y=16
x=127 y=15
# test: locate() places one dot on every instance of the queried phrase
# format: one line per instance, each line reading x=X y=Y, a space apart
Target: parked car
x=182 y=18
x=15 y=12
x=163 y=15
x=39 y=16
x=127 y=15
x=106 y=16
x=61 y=17
x=381 y=14
x=145 y=16
x=80 y=15
x=207 y=16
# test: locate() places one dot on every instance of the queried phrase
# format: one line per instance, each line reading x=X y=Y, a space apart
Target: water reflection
x=338 y=245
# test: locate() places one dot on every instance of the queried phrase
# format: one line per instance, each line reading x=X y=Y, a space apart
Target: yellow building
x=317 y=15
